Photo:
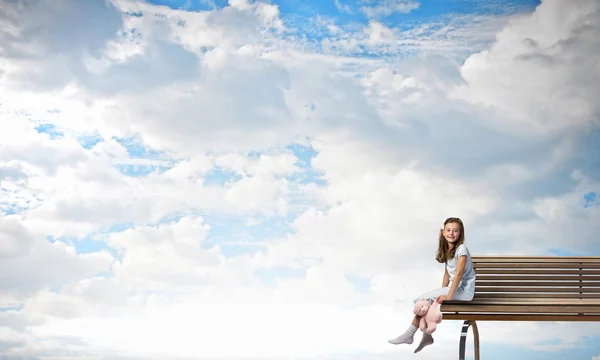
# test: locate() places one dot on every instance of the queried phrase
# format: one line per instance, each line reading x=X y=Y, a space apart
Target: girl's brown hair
x=444 y=253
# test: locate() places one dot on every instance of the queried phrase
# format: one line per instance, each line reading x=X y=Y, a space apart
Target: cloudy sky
x=211 y=179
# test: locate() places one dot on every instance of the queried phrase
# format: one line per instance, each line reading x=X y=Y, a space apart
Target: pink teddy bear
x=430 y=315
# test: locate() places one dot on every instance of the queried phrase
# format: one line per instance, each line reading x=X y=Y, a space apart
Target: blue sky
x=346 y=11
x=196 y=159
x=586 y=350
x=301 y=15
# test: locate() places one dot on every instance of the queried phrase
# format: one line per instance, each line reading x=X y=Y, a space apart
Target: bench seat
x=512 y=288
x=523 y=309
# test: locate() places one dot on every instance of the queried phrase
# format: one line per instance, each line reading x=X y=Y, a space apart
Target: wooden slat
x=536 y=259
x=525 y=309
x=578 y=284
x=533 y=262
x=519 y=265
x=537 y=271
x=539 y=256
x=526 y=302
x=535 y=295
x=520 y=317
x=538 y=277
x=535 y=289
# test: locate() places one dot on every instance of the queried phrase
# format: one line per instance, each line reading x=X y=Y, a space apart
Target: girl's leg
x=433 y=294
x=409 y=334
x=416 y=320
x=427 y=339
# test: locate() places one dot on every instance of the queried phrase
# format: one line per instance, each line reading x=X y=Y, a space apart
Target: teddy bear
x=430 y=315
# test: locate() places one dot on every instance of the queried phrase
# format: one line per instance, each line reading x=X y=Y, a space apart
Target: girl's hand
x=442 y=298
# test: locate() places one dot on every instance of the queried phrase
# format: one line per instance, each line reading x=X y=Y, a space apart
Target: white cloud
x=24 y=254
x=387 y=7
x=401 y=142
x=166 y=257
x=57 y=32
x=540 y=54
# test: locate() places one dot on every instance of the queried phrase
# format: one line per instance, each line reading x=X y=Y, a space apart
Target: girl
x=459 y=270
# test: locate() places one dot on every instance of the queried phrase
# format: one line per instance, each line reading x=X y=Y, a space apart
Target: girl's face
x=451 y=233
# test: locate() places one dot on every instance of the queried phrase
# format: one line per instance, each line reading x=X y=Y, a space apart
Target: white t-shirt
x=467 y=282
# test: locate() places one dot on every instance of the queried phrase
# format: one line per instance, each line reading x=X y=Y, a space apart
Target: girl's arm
x=460 y=269
x=446 y=280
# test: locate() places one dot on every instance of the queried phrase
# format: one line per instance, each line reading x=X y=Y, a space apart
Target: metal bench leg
x=463 y=339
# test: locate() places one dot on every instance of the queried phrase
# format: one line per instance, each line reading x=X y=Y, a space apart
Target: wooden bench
x=510 y=288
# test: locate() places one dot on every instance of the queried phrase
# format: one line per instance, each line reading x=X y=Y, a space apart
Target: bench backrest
x=506 y=277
